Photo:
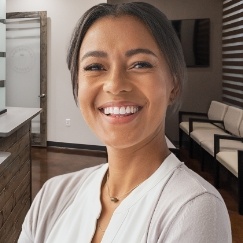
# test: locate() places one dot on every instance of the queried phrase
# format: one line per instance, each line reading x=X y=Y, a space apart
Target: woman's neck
x=130 y=167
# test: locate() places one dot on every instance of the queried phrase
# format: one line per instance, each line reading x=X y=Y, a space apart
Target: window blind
x=232 y=52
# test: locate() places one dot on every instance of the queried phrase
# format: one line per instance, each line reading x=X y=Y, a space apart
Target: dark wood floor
x=49 y=162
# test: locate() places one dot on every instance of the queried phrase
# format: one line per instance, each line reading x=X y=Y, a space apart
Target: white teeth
x=121 y=110
x=106 y=111
x=116 y=110
x=128 y=110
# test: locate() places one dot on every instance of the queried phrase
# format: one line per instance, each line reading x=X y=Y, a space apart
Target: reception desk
x=15 y=170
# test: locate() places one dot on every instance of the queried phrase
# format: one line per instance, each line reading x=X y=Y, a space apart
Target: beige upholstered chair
x=231 y=122
x=233 y=162
x=216 y=111
x=226 y=144
x=205 y=138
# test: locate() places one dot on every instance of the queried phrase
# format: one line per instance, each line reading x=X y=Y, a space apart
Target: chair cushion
x=200 y=135
x=217 y=110
x=196 y=125
x=229 y=159
x=232 y=120
x=225 y=145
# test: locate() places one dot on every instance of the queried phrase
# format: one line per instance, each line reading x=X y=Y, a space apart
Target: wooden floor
x=50 y=162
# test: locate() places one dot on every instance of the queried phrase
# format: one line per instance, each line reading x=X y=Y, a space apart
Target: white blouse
x=173 y=205
x=130 y=220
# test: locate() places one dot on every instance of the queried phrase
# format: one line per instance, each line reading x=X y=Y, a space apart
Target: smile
x=120 y=111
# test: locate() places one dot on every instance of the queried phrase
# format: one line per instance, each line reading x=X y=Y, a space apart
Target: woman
x=127 y=67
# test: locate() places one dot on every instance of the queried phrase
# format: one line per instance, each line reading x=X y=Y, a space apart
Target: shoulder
x=183 y=181
x=190 y=184
x=190 y=203
x=185 y=187
x=196 y=207
x=184 y=184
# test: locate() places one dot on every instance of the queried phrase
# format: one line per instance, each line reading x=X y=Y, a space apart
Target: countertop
x=11 y=120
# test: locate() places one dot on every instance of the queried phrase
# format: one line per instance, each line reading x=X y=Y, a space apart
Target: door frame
x=39 y=139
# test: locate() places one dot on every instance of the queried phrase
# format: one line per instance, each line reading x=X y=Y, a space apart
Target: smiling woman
x=127 y=67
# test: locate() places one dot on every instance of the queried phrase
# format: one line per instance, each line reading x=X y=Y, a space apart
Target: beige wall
x=204 y=84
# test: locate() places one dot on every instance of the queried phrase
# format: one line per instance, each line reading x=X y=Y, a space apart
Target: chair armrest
x=191 y=120
x=218 y=137
x=190 y=113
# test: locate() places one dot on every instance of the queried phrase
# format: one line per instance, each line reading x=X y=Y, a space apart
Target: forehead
x=118 y=21
x=115 y=31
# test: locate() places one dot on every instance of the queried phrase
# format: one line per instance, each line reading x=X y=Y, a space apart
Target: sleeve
x=203 y=219
x=26 y=235
x=23 y=238
x=34 y=219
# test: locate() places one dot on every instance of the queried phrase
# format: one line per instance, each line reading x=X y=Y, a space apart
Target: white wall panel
x=2 y=37
x=2 y=9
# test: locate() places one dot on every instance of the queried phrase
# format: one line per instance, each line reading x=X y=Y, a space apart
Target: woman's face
x=124 y=82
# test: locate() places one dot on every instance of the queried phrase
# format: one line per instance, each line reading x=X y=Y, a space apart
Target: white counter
x=15 y=169
x=11 y=120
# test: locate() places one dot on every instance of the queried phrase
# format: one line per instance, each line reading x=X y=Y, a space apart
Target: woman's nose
x=116 y=82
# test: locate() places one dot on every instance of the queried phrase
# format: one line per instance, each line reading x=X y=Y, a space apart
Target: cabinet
x=15 y=170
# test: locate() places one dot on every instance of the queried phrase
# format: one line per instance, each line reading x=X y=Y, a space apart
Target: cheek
x=83 y=90
x=87 y=96
x=83 y=97
x=160 y=93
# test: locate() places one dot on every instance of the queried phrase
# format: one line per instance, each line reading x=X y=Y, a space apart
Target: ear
x=174 y=93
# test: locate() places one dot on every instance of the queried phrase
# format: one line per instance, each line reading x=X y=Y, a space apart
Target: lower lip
x=120 y=119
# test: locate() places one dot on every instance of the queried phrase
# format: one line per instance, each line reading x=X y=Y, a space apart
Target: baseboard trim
x=76 y=146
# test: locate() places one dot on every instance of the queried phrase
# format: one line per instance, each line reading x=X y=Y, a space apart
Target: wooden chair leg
x=191 y=147
x=180 y=137
x=240 y=181
x=216 y=173
x=202 y=153
x=241 y=198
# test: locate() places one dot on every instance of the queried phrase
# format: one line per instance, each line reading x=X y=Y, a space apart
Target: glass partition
x=26 y=67
x=23 y=65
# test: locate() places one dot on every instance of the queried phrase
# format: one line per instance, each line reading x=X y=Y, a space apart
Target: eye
x=142 y=65
x=94 y=67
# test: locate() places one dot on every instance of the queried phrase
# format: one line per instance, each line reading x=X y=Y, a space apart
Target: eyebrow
x=133 y=52
x=94 y=54
x=129 y=53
